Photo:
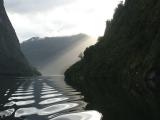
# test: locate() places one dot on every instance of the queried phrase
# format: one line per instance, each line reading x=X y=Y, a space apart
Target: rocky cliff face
x=120 y=75
x=12 y=61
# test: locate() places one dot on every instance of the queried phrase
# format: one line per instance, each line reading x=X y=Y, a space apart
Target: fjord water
x=42 y=98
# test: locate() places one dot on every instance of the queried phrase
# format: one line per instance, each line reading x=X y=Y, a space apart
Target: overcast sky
x=42 y=18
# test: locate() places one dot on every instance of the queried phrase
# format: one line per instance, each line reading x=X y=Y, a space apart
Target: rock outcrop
x=12 y=61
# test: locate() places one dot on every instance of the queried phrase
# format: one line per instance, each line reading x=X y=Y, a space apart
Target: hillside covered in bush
x=120 y=75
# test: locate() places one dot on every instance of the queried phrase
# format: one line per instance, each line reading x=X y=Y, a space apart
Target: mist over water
x=68 y=58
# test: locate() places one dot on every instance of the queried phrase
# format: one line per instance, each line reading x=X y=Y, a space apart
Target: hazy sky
x=59 y=17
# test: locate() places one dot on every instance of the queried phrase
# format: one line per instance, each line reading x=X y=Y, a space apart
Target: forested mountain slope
x=120 y=75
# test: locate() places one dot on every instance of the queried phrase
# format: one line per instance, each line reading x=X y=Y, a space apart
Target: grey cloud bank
x=27 y=6
x=50 y=18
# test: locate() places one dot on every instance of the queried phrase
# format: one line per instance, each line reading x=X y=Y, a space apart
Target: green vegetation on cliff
x=120 y=75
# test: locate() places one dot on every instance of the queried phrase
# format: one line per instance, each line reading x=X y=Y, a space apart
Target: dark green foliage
x=12 y=61
x=120 y=75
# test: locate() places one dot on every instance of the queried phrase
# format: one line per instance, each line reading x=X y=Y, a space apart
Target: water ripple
x=45 y=111
x=19 y=94
x=88 y=115
x=38 y=98
x=45 y=90
x=21 y=97
x=57 y=108
x=26 y=111
x=7 y=113
x=49 y=92
x=53 y=100
x=50 y=95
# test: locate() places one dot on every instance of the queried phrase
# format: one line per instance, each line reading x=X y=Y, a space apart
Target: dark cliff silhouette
x=120 y=75
x=12 y=61
x=51 y=55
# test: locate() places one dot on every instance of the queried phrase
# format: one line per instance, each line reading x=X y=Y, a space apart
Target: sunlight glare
x=79 y=16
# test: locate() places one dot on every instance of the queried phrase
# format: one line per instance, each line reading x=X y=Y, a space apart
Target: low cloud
x=43 y=18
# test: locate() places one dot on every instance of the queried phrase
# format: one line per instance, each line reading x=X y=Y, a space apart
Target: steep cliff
x=120 y=75
x=12 y=61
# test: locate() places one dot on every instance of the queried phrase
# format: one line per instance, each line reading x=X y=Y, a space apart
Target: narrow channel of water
x=42 y=98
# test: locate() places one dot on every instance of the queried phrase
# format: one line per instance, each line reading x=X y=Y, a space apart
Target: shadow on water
x=42 y=98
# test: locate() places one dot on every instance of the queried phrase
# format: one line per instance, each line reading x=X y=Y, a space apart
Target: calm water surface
x=42 y=98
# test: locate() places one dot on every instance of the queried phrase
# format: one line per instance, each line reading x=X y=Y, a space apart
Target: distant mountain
x=120 y=75
x=12 y=61
x=52 y=55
